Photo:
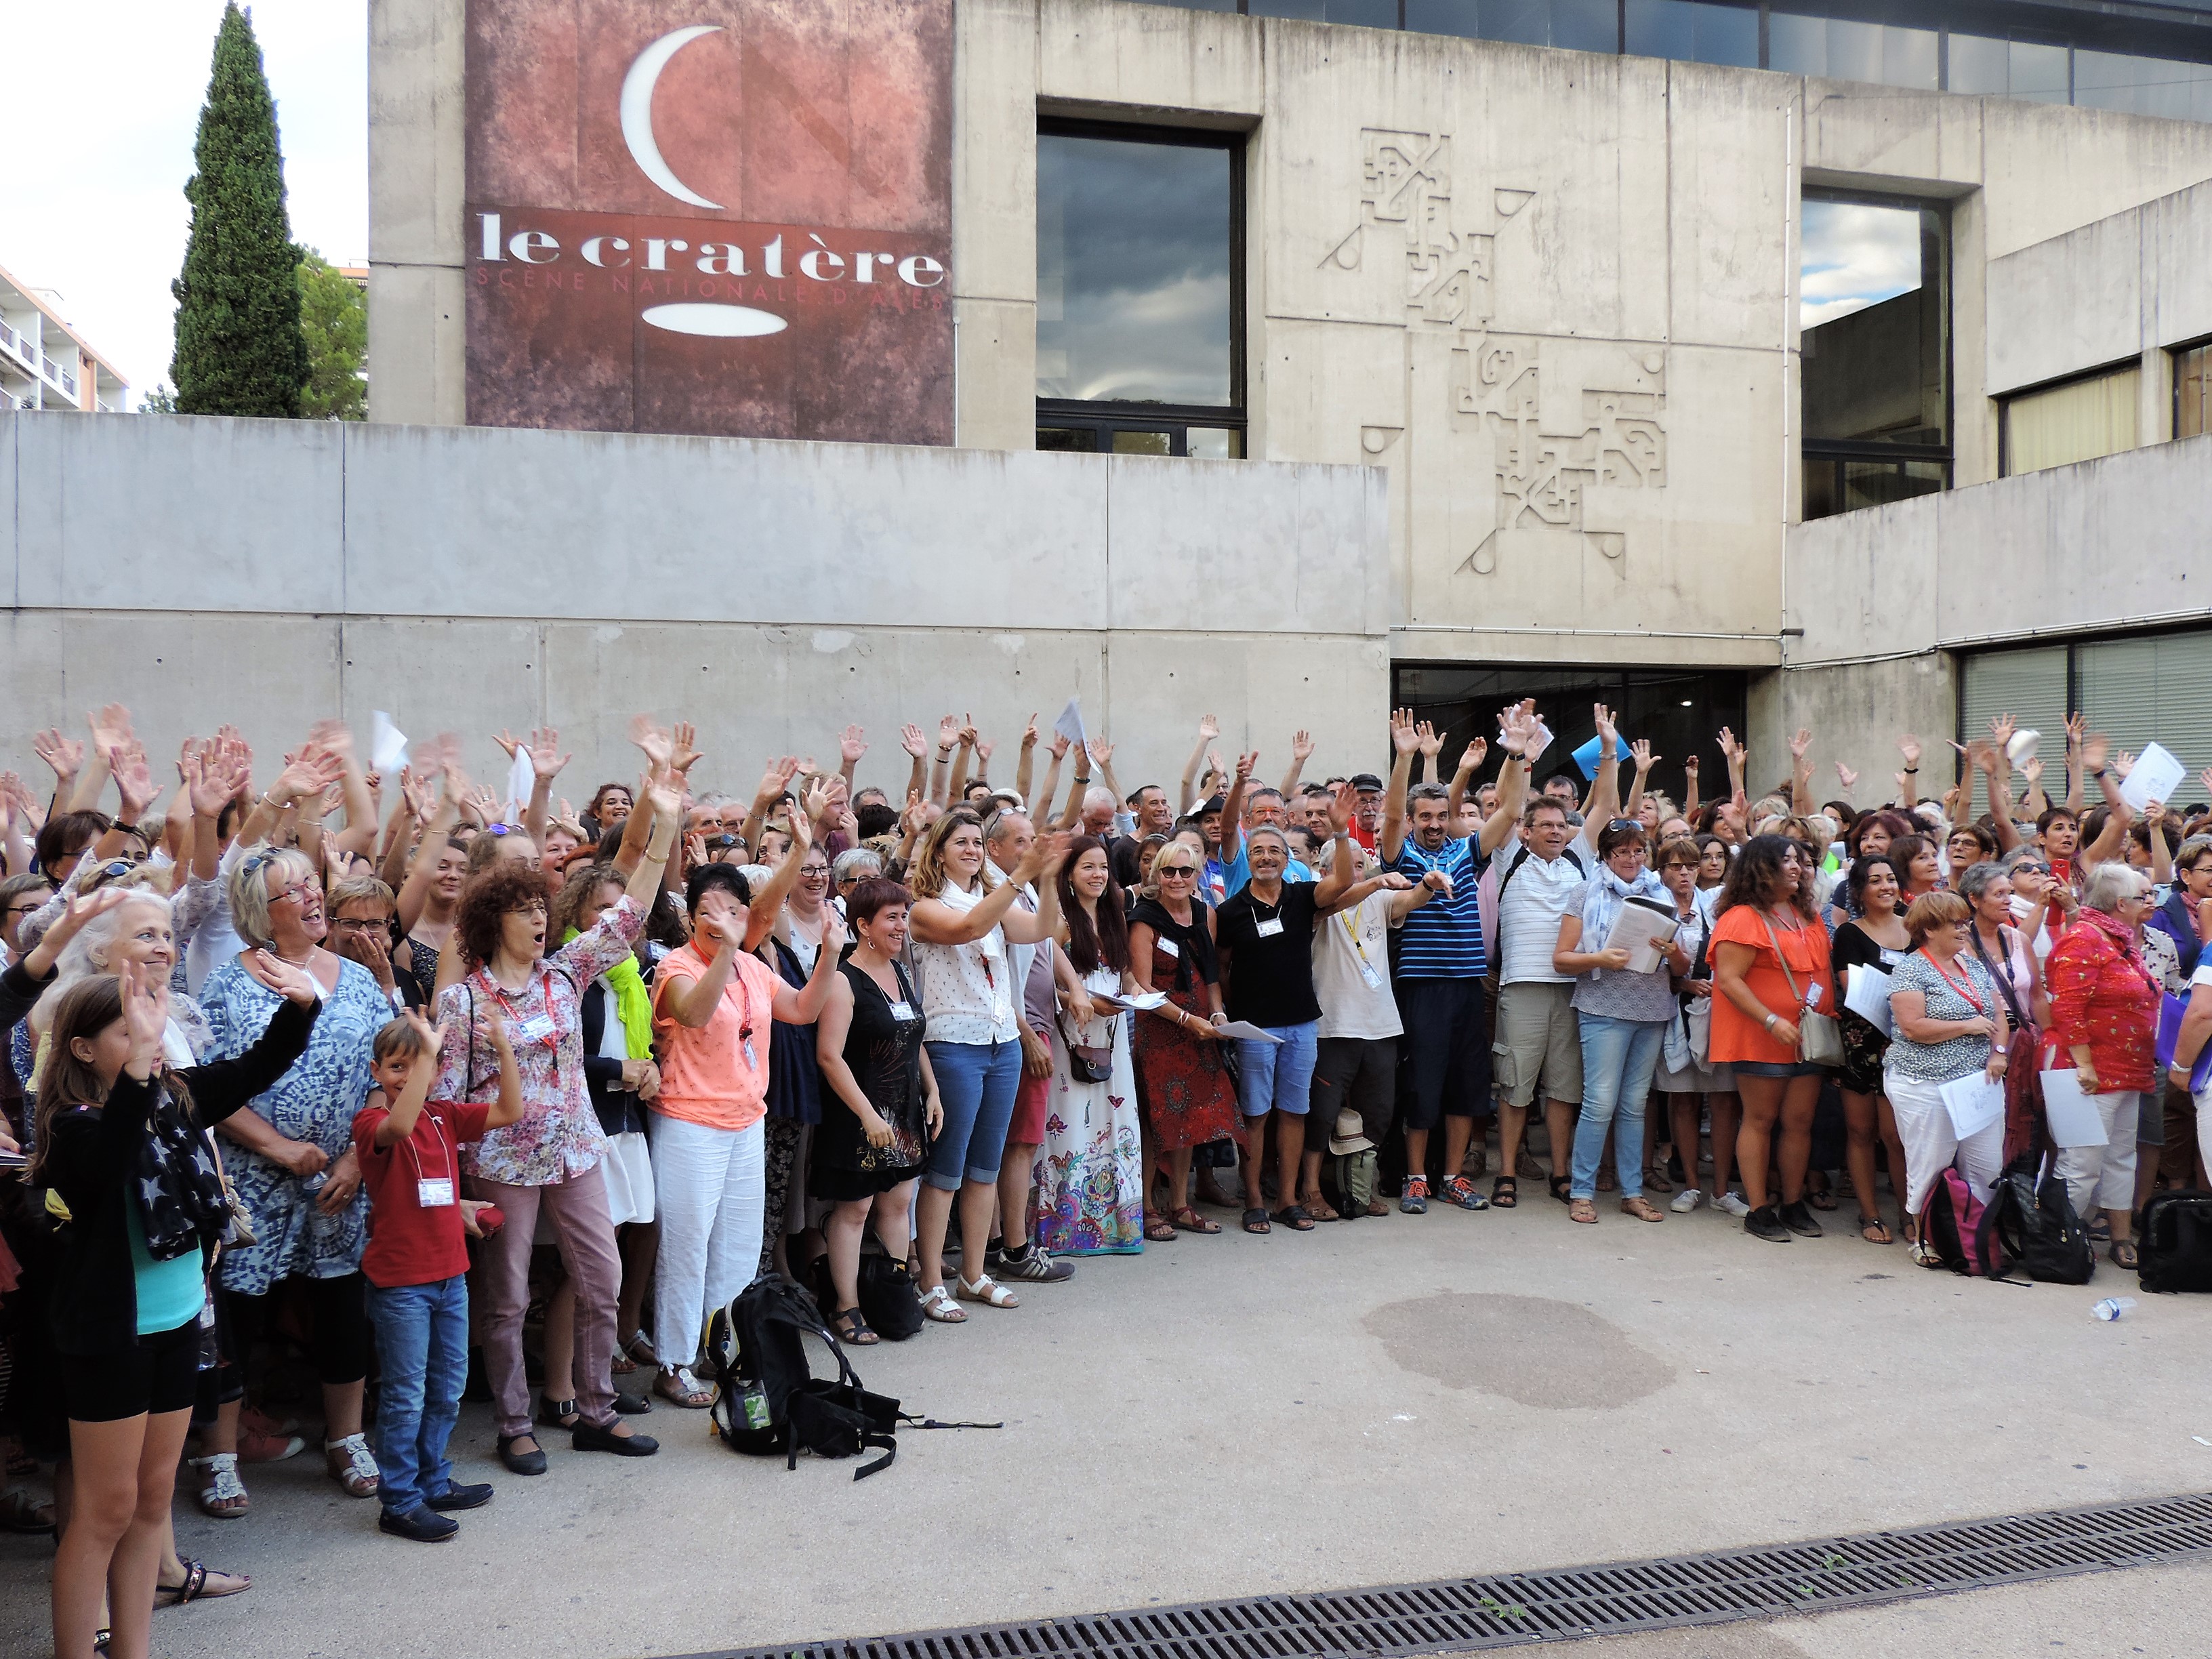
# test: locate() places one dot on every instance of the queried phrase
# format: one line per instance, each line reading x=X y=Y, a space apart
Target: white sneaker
x=1686 y=1200
x=1734 y=1204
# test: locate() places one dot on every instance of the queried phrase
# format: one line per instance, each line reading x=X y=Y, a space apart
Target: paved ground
x=1373 y=1403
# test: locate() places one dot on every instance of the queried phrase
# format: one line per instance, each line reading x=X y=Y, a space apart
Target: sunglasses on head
x=502 y=829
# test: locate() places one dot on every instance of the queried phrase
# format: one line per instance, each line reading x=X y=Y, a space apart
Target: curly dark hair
x=488 y=899
x=1756 y=871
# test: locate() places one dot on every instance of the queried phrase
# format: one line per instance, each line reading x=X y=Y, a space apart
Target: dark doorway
x=1680 y=711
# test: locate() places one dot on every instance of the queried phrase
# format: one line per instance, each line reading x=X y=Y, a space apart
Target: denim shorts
x=1776 y=1068
x=976 y=1083
x=1277 y=1077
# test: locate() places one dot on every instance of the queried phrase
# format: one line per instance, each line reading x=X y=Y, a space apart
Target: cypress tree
x=240 y=347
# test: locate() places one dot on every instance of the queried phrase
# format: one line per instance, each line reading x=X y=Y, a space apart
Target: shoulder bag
x=1819 y=1037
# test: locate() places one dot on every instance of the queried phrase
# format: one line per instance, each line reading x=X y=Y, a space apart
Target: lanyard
x=1966 y=991
x=515 y=1022
x=1351 y=932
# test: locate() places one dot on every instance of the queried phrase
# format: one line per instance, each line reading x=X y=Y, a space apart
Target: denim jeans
x=976 y=1083
x=1619 y=1057
x=422 y=1344
x=1277 y=1077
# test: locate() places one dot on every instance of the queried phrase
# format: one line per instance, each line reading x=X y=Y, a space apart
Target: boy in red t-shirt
x=417 y=1265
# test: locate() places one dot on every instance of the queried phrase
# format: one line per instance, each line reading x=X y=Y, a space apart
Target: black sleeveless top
x=884 y=1053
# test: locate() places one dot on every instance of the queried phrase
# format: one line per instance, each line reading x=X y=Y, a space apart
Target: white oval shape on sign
x=730 y=322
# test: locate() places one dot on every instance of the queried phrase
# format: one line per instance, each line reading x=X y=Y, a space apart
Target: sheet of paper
x=1585 y=758
x=2072 y=1116
x=1867 y=996
x=1070 y=723
x=2155 y=777
x=1143 y=1002
x=521 y=779
x=387 y=750
x=1643 y=932
x=1249 y=1032
x=1974 y=1103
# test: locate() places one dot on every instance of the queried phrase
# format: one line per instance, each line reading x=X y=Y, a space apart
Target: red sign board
x=714 y=216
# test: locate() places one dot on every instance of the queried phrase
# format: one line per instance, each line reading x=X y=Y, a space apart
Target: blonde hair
x=1933 y=910
x=927 y=876
x=260 y=872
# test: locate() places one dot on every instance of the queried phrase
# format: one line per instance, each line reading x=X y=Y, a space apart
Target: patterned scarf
x=1605 y=894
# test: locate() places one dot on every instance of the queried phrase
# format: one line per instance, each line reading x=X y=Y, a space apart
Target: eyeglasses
x=1188 y=872
x=25 y=908
x=361 y=924
x=297 y=892
x=1682 y=863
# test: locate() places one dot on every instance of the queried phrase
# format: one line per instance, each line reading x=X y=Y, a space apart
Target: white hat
x=1351 y=1135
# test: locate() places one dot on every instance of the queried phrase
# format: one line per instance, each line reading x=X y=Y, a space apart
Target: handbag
x=1820 y=1037
x=1086 y=1064
x=238 y=1232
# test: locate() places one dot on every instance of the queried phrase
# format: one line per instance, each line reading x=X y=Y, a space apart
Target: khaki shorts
x=1538 y=1037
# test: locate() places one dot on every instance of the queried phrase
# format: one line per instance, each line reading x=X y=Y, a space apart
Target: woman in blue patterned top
x=295 y=1167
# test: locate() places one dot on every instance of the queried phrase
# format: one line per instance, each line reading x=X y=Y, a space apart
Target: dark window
x=1677 y=710
x=1875 y=323
x=1140 y=278
x=2192 y=391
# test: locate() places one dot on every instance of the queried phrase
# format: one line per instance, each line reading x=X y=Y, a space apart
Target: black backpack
x=888 y=1301
x=2034 y=1225
x=769 y=1401
x=2176 y=1246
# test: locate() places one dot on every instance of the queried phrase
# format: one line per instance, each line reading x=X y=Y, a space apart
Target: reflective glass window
x=1691 y=29
x=1980 y=65
x=2142 y=86
x=2038 y=72
x=2192 y=392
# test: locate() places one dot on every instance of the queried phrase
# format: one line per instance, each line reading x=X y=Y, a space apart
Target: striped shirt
x=1442 y=939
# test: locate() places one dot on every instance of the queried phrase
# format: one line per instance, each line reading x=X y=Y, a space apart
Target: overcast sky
x=1853 y=255
x=103 y=108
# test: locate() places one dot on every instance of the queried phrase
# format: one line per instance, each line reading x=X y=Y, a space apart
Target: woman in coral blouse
x=2104 y=1007
x=1770 y=957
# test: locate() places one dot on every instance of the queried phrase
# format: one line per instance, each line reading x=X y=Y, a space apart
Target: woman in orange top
x=1770 y=957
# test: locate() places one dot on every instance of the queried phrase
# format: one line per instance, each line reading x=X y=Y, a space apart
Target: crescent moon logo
x=637 y=111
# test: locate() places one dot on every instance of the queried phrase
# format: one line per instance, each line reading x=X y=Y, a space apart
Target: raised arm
x=2076 y=724
x=1690 y=788
x=1908 y=781
x=648 y=834
x=1302 y=748
x=1101 y=757
x=417 y=892
x=1470 y=763
x=2113 y=837
x=1800 y=775
x=948 y=734
x=777 y=779
x=785 y=876
x=917 y=747
x=1516 y=729
x=968 y=738
x=1025 y=762
x=1640 y=752
x=1208 y=729
x=1405 y=740
x=546 y=760
x=1344 y=862
x=1605 y=788
x=1232 y=807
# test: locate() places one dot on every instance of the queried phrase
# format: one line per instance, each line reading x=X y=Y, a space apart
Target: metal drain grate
x=1515 y=1609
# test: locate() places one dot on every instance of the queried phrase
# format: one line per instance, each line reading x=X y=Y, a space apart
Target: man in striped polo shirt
x=1441 y=963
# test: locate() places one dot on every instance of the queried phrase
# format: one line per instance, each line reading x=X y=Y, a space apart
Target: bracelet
x=2099 y=773
x=1910 y=770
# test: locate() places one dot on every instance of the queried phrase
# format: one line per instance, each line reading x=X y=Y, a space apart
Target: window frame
x=2079 y=377
x=2173 y=357
x=1105 y=416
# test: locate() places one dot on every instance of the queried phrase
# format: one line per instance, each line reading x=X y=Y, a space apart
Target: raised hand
x=912 y=742
x=1342 y=801
x=1404 y=738
x=134 y=781
x=306 y=774
x=2076 y=724
x=111 y=730
x=546 y=759
x=1209 y=728
x=852 y=742
x=1472 y=755
x=65 y=756
x=1101 y=753
x=2123 y=764
x=1245 y=765
x=482 y=805
x=293 y=984
x=333 y=736
x=1059 y=746
x=1846 y=776
x=1645 y=760
x=77 y=911
x=1909 y=746
x=2002 y=729
x=984 y=749
x=656 y=743
x=910 y=820
x=948 y=731
x=1690 y=766
x=819 y=799
x=2032 y=768
x=776 y=779
x=1302 y=746
x=1731 y=748
x=1029 y=733
x=1429 y=739
x=1608 y=734
x=145 y=1018
x=507 y=742
x=1801 y=742
x=684 y=747
x=2096 y=746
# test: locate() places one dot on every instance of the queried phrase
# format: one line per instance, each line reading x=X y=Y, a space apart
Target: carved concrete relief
x=1566 y=415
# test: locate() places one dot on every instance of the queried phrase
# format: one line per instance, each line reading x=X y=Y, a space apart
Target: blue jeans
x=976 y=1083
x=1619 y=1057
x=422 y=1344
x=1277 y=1077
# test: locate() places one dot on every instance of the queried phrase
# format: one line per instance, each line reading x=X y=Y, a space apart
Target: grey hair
x=1002 y=824
x=250 y=885
x=2110 y=882
x=1099 y=795
x=1975 y=880
x=848 y=865
x=87 y=954
x=1428 y=792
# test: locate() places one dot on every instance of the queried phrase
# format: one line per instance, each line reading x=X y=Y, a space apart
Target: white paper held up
x=1070 y=723
x=1866 y=994
x=1644 y=929
x=521 y=779
x=2072 y=1116
x=2155 y=775
x=1974 y=1103
x=387 y=749
x=1249 y=1032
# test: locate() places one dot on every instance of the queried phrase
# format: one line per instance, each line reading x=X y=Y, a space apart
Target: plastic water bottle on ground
x=2112 y=1307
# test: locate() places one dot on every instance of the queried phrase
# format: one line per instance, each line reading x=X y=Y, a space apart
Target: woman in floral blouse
x=2104 y=1006
x=550 y=1159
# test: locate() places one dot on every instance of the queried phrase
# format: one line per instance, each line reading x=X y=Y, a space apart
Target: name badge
x=434 y=1194
x=539 y=1028
x=1270 y=928
x=1000 y=1013
x=902 y=1011
x=1367 y=972
x=1167 y=946
x=752 y=1059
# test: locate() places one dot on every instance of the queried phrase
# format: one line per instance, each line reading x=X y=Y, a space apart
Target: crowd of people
x=388 y=1079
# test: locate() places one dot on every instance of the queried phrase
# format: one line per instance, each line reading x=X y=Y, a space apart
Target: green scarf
x=632 y=1006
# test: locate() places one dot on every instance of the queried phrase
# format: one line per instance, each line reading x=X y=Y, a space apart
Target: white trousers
x=1932 y=1144
x=2104 y=1177
x=710 y=1186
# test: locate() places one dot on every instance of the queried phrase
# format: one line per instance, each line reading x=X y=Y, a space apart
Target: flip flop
x=1188 y=1220
x=1294 y=1217
x=197 y=1577
x=1255 y=1223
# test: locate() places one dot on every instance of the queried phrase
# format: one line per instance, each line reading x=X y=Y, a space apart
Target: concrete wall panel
x=994 y=151
x=994 y=372
x=1731 y=196
x=1098 y=55
x=2073 y=303
x=2178 y=267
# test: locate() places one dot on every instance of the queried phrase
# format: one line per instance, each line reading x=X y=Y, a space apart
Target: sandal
x=1376 y=1206
x=1294 y=1217
x=352 y=1465
x=1607 y=1181
x=199 y=1580
x=679 y=1387
x=23 y=1510
x=937 y=1303
x=640 y=1348
x=1582 y=1210
x=1505 y=1193
x=2124 y=1255
x=1255 y=1223
x=986 y=1290
x=1318 y=1208
x=1871 y=1224
x=1823 y=1200
x=1658 y=1180
x=1188 y=1220
x=1559 y=1185
x=1642 y=1208
x=223 y=1495
x=1159 y=1229
x=853 y=1328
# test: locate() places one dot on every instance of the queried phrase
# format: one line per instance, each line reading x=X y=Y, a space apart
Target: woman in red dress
x=1182 y=1086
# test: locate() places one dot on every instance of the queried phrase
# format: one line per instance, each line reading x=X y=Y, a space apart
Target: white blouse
x=968 y=991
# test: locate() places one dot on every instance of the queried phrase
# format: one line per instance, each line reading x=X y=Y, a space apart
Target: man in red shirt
x=417 y=1264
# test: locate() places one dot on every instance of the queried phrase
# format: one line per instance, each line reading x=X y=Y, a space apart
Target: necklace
x=293 y=962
